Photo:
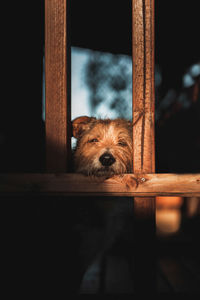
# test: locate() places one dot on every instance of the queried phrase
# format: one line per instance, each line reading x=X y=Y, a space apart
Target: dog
x=103 y=149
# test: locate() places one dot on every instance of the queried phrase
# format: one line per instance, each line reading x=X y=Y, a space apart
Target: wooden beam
x=143 y=139
x=143 y=86
x=57 y=86
x=76 y=184
x=58 y=142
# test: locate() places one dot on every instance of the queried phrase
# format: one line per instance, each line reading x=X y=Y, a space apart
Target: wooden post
x=57 y=86
x=143 y=140
x=58 y=254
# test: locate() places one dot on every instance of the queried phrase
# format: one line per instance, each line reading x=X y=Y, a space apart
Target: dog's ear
x=80 y=124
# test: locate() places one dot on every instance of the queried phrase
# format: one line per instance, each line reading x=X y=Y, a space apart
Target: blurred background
x=101 y=85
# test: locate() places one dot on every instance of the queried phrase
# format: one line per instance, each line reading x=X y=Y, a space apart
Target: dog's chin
x=104 y=172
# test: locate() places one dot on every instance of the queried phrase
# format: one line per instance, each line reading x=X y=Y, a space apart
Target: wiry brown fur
x=96 y=137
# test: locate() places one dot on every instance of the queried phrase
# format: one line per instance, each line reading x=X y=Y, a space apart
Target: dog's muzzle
x=107 y=159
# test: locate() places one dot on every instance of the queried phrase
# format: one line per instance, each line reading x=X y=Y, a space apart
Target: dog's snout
x=107 y=159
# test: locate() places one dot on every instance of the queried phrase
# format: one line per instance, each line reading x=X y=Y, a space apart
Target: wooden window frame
x=143 y=184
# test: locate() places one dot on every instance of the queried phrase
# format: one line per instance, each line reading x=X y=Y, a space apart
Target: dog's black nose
x=107 y=159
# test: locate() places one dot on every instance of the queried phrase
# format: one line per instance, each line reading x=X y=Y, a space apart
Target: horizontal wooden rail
x=125 y=185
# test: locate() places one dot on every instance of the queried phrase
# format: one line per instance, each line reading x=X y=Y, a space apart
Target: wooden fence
x=143 y=184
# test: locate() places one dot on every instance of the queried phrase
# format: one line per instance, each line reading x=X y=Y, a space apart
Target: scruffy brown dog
x=104 y=147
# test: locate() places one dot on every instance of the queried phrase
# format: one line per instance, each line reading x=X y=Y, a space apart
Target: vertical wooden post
x=58 y=258
x=143 y=139
x=57 y=77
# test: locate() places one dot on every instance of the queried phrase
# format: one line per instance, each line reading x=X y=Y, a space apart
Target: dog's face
x=104 y=147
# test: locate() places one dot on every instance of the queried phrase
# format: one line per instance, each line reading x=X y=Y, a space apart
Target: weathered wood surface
x=143 y=139
x=143 y=97
x=126 y=185
x=57 y=85
x=143 y=86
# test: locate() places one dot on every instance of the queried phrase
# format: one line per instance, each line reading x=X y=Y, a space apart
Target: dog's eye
x=122 y=144
x=93 y=141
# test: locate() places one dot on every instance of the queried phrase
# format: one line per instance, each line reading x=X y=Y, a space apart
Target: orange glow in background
x=168 y=215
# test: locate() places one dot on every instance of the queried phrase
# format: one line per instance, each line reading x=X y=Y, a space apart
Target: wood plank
x=143 y=139
x=125 y=185
x=143 y=86
x=58 y=142
x=57 y=78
